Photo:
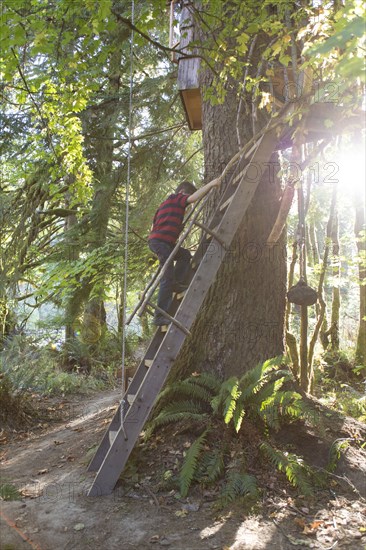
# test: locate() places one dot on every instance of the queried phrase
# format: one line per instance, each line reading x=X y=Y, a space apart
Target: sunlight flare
x=352 y=170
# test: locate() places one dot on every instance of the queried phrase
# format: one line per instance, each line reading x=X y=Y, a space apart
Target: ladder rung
x=112 y=434
x=226 y=203
x=238 y=177
x=130 y=398
x=253 y=148
x=164 y=328
x=148 y=362
x=212 y=233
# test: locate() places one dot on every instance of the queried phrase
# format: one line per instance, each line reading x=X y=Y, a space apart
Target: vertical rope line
x=123 y=374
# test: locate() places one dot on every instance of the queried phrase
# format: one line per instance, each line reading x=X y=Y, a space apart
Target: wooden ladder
x=120 y=437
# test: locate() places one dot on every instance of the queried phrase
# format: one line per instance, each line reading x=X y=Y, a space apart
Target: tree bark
x=74 y=304
x=305 y=374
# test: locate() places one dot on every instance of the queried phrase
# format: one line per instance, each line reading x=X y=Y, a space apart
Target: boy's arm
x=203 y=190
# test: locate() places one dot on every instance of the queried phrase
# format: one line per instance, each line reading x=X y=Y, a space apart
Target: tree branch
x=165 y=49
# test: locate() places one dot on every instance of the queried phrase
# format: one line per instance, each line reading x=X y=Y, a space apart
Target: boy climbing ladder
x=167 y=225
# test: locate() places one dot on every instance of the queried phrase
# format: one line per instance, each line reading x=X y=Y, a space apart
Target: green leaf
x=190 y=463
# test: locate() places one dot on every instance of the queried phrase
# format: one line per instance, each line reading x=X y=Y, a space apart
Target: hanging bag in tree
x=302 y=294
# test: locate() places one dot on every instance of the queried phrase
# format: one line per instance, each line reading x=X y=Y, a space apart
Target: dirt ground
x=48 y=466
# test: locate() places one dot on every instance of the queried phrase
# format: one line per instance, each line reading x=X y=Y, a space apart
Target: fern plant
x=298 y=473
x=212 y=406
x=335 y=452
x=238 y=485
x=265 y=398
x=191 y=461
x=195 y=401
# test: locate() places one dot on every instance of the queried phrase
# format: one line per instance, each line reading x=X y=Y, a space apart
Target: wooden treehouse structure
x=323 y=118
x=188 y=64
x=217 y=235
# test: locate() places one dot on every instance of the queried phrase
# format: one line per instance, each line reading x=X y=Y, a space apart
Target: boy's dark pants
x=174 y=275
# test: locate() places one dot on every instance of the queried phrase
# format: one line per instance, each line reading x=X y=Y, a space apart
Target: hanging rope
x=123 y=370
x=301 y=293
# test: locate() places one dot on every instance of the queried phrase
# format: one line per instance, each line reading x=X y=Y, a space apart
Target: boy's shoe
x=180 y=287
x=160 y=320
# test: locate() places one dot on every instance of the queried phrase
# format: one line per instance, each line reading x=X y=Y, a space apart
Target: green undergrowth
x=8 y=491
x=28 y=367
x=340 y=384
x=38 y=366
x=232 y=423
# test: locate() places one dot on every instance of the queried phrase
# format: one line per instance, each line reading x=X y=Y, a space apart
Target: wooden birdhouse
x=188 y=63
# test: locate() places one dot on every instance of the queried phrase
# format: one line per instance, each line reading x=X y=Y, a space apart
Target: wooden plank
x=249 y=153
x=112 y=435
x=192 y=103
x=169 y=319
x=226 y=203
x=130 y=398
x=188 y=72
x=156 y=375
x=105 y=444
x=238 y=177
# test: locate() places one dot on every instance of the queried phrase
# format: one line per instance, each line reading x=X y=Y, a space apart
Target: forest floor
x=48 y=466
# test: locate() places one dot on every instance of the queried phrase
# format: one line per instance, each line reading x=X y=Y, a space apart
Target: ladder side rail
x=237 y=161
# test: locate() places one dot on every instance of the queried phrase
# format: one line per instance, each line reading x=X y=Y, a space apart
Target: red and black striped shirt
x=168 y=219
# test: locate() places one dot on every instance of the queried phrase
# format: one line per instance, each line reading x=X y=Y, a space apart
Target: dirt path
x=49 y=470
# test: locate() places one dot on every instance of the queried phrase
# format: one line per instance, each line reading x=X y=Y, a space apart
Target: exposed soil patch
x=48 y=467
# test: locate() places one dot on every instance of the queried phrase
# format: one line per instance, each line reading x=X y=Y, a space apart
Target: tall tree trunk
x=313 y=243
x=360 y=232
x=100 y=129
x=73 y=305
x=336 y=295
x=3 y=318
x=291 y=341
x=305 y=375
x=321 y=323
